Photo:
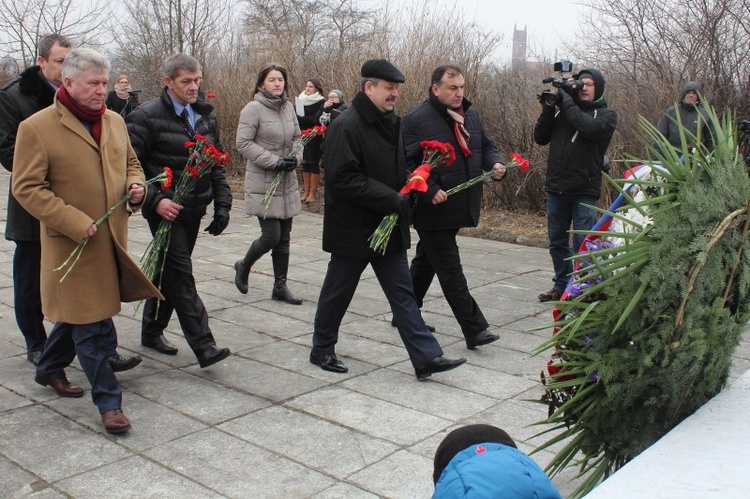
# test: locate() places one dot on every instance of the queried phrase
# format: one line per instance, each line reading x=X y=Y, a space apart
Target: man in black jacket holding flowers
x=578 y=130
x=365 y=168
x=448 y=117
x=159 y=130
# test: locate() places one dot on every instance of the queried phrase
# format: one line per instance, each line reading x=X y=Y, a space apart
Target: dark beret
x=383 y=70
x=463 y=437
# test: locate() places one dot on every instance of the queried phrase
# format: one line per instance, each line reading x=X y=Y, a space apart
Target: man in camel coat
x=73 y=162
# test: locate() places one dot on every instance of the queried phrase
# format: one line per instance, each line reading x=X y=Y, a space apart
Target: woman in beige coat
x=266 y=135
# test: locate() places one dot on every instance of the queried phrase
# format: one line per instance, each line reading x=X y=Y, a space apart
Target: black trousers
x=177 y=284
x=27 y=299
x=392 y=271
x=437 y=253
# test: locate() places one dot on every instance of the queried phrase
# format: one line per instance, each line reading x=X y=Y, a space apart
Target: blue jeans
x=562 y=211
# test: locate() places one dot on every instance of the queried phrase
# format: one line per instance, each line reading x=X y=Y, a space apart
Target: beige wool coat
x=267 y=131
x=66 y=181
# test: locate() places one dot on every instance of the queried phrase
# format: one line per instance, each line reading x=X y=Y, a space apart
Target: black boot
x=280 y=268
x=242 y=268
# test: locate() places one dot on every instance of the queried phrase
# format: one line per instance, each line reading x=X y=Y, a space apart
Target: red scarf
x=462 y=134
x=93 y=117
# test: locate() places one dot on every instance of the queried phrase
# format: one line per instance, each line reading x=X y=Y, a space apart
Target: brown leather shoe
x=62 y=386
x=115 y=421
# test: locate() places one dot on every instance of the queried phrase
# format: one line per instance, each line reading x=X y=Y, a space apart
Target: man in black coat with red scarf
x=446 y=116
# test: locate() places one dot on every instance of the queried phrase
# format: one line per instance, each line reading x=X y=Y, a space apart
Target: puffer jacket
x=693 y=117
x=430 y=121
x=491 y=470
x=267 y=131
x=158 y=137
x=19 y=99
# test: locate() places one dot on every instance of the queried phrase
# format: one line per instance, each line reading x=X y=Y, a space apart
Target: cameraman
x=578 y=129
x=123 y=99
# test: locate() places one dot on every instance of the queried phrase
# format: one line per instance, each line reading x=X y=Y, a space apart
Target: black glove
x=220 y=222
x=404 y=205
x=285 y=165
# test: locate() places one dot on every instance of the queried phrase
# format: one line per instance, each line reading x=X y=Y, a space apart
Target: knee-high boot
x=314 y=182
x=280 y=290
x=242 y=268
x=305 y=185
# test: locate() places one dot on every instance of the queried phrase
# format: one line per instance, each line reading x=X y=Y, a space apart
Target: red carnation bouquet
x=434 y=154
x=203 y=157
x=307 y=135
x=516 y=161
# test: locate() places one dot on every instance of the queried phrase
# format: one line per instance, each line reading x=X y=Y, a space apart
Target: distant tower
x=519 y=48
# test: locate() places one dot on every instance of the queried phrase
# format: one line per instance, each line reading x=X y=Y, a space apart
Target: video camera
x=133 y=93
x=566 y=82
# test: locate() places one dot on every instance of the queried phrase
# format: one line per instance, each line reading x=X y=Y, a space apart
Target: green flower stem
x=469 y=183
x=76 y=253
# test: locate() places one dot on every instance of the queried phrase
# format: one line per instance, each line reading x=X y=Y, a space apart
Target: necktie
x=188 y=126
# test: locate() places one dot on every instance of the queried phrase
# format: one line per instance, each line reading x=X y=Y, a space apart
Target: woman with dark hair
x=308 y=106
x=122 y=99
x=266 y=135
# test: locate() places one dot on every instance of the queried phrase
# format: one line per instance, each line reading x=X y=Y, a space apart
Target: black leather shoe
x=34 y=356
x=328 y=362
x=429 y=327
x=160 y=344
x=482 y=338
x=212 y=355
x=120 y=363
x=437 y=365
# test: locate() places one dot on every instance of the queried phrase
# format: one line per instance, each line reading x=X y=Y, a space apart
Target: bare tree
x=148 y=31
x=22 y=23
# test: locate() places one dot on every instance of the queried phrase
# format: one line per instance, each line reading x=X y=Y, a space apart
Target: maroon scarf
x=93 y=117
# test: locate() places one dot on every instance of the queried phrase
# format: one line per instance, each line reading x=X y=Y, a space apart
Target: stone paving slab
x=265 y=422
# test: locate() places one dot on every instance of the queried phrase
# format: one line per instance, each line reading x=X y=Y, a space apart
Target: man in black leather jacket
x=158 y=132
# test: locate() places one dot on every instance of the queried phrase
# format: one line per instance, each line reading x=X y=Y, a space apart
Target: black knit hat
x=466 y=436
x=383 y=70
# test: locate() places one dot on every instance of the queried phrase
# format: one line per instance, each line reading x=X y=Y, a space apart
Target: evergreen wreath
x=645 y=332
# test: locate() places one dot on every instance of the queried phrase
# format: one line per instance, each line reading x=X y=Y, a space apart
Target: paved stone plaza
x=266 y=422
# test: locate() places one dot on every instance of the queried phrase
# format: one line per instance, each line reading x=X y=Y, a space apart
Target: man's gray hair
x=374 y=81
x=180 y=62
x=81 y=59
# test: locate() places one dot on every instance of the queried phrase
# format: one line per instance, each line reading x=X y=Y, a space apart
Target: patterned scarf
x=93 y=117
x=462 y=134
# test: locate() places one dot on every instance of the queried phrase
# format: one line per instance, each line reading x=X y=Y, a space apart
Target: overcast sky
x=548 y=22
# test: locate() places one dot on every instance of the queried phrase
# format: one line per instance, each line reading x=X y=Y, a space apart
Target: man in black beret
x=365 y=168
